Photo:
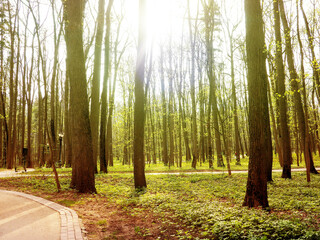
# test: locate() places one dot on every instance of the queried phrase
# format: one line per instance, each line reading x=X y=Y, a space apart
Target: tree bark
x=282 y=98
x=82 y=162
x=315 y=64
x=195 y=152
x=103 y=160
x=165 y=157
x=294 y=84
x=95 y=89
x=256 y=192
x=139 y=104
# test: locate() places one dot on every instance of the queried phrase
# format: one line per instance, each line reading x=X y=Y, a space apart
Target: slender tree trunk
x=29 y=162
x=275 y=133
x=154 y=154
x=95 y=92
x=195 y=152
x=67 y=121
x=23 y=118
x=281 y=94
x=139 y=111
x=235 y=107
x=296 y=93
x=209 y=24
x=103 y=160
x=170 y=108
x=304 y=90
x=10 y=147
x=297 y=145
x=165 y=157
x=315 y=63
x=109 y=152
x=40 y=121
x=181 y=110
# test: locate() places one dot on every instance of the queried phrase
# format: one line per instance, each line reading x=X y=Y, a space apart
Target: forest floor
x=184 y=206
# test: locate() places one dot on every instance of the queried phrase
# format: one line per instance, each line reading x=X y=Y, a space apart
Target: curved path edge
x=69 y=222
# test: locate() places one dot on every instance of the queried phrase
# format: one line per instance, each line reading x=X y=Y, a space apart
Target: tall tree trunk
x=53 y=122
x=181 y=110
x=40 y=121
x=103 y=160
x=139 y=111
x=67 y=121
x=95 y=89
x=195 y=152
x=315 y=63
x=296 y=92
x=170 y=107
x=235 y=106
x=10 y=147
x=275 y=133
x=29 y=162
x=281 y=94
x=209 y=24
x=82 y=164
x=23 y=118
x=165 y=157
x=117 y=59
x=256 y=193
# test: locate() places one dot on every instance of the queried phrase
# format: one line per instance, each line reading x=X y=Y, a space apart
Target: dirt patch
x=106 y=220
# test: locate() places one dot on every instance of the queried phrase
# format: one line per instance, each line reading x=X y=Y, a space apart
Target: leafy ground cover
x=197 y=206
x=186 y=167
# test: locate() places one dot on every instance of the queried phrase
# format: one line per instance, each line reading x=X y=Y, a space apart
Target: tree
x=164 y=112
x=95 y=92
x=282 y=98
x=82 y=161
x=139 y=112
x=295 y=88
x=53 y=123
x=192 y=36
x=314 y=62
x=256 y=192
x=103 y=160
x=209 y=27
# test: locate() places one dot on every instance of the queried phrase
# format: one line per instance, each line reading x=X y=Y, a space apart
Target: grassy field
x=197 y=206
x=186 y=167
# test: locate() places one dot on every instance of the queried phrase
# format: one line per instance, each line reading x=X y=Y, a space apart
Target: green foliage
x=212 y=205
x=67 y=203
x=102 y=222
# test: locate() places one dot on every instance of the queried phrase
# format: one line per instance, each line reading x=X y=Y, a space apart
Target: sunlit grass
x=208 y=205
x=186 y=166
x=212 y=204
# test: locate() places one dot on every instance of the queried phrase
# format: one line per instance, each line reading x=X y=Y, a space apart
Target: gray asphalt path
x=25 y=219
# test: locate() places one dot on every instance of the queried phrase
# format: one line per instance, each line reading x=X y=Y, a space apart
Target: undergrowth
x=209 y=206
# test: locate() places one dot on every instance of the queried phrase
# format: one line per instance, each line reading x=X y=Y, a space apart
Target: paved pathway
x=26 y=217
x=13 y=173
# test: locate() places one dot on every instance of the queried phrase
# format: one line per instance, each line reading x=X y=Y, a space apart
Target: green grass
x=209 y=206
x=186 y=166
